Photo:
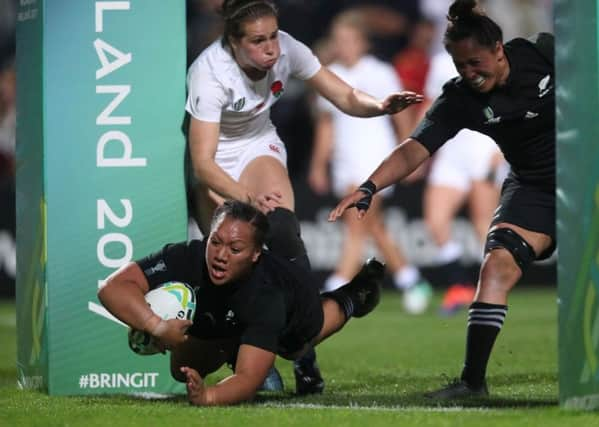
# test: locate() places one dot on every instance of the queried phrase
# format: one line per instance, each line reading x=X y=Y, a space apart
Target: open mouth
x=218 y=272
x=478 y=82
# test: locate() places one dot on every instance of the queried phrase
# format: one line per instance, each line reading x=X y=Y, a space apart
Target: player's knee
x=505 y=238
x=499 y=271
x=284 y=234
x=506 y=256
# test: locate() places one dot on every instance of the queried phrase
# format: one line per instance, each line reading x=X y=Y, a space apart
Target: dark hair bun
x=462 y=10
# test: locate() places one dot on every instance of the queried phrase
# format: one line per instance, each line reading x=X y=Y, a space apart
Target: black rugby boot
x=364 y=289
x=308 y=379
x=459 y=390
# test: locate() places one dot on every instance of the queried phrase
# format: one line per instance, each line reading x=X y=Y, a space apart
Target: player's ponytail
x=235 y=12
x=466 y=20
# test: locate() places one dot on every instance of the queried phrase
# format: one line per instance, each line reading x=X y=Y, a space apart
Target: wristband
x=368 y=187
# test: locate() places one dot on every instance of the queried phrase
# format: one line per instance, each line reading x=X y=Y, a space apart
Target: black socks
x=484 y=323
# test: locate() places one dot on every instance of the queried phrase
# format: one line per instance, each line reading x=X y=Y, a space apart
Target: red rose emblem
x=277 y=88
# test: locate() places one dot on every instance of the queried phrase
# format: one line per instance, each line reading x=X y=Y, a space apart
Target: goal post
x=577 y=68
x=101 y=93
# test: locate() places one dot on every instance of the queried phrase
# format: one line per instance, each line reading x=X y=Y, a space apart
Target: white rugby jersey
x=219 y=91
x=360 y=142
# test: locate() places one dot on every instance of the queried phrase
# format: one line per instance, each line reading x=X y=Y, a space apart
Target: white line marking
x=356 y=407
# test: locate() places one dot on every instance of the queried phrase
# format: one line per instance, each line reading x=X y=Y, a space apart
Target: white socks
x=406 y=277
x=449 y=252
x=334 y=281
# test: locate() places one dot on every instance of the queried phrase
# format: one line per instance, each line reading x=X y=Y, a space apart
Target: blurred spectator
x=204 y=25
x=520 y=18
x=436 y=11
x=341 y=139
x=388 y=23
x=308 y=20
x=7 y=162
x=7 y=116
x=412 y=64
x=8 y=20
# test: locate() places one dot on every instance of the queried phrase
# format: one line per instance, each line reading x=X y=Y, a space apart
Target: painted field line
x=372 y=407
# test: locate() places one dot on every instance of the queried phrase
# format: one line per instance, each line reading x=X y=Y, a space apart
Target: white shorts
x=233 y=162
x=465 y=158
x=350 y=173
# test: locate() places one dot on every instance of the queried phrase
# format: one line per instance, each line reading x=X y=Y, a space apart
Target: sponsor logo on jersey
x=238 y=105
x=544 y=86
x=160 y=266
x=274 y=148
x=277 y=88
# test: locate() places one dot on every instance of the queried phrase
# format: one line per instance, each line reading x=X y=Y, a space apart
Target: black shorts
x=302 y=337
x=528 y=207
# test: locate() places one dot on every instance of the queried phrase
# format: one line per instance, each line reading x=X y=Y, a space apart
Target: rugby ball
x=171 y=300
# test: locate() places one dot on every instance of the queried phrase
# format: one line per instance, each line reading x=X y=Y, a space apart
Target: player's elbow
x=203 y=167
x=105 y=291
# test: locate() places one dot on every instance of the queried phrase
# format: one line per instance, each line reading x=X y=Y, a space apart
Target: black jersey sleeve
x=545 y=44
x=442 y=121
x=268 y=319
x=171 y=263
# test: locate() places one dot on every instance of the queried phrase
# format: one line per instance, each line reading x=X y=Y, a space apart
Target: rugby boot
x=365 y=288
x=457 y=390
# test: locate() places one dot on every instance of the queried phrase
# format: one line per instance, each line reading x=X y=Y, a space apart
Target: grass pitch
x=376 y=370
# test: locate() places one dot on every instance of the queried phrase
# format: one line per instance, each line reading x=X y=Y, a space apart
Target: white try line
x=356 y=407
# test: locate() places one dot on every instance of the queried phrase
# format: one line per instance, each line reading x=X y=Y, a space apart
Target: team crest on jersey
x=490 y=116
x=238 y=105
x=544 y=86
x=277 y=88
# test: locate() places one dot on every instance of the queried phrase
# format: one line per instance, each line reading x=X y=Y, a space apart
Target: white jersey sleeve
x=303 y=63
x=206 y=95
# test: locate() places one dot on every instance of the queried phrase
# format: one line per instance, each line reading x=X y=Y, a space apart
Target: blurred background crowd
x=406 y=34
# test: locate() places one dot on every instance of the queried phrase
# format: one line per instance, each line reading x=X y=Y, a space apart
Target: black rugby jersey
x=276 y=308
x=519 y=116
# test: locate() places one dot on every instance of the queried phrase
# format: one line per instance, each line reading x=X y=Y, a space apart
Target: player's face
x=231 y=251
x=348 y=44
x=259 y=47
x=481 y=68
